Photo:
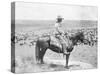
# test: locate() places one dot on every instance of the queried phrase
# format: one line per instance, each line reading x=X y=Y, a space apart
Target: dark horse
x=43 y=45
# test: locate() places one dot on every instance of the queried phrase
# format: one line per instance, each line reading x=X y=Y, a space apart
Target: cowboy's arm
x=60 y=30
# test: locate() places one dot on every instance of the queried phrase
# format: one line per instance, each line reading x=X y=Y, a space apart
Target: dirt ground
x=82 y=57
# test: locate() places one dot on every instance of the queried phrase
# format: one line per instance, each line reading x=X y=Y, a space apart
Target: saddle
x=56 y=41
x=60 y=41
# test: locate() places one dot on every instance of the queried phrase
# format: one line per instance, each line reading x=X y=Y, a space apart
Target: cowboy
x=58 y=24
x=58 y=27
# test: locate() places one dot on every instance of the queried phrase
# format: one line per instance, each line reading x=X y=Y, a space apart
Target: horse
x=43 y=45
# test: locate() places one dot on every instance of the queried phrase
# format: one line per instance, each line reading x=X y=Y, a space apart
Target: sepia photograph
x=48 y=37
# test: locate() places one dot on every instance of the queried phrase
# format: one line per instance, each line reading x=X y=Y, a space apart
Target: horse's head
x=77 y=38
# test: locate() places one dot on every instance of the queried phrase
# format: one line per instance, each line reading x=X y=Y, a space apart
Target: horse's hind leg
x=42 y=53
x=37 y=54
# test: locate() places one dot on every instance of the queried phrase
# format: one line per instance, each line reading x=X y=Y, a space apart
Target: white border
x=5 y=13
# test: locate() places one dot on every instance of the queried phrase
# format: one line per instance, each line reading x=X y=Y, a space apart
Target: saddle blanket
x=55 y=41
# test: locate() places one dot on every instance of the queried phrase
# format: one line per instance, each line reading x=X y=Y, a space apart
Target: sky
x=43 y=11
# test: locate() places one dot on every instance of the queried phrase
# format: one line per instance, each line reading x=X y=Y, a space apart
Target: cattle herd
x=30 y=38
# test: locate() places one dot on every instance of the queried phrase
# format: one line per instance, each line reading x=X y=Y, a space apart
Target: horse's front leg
x=67 y=59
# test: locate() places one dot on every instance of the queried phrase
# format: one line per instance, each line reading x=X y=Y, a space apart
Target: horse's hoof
x=66 y=67
x=42 y=63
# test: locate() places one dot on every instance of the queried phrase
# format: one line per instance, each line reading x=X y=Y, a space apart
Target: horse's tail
x=37 y=52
